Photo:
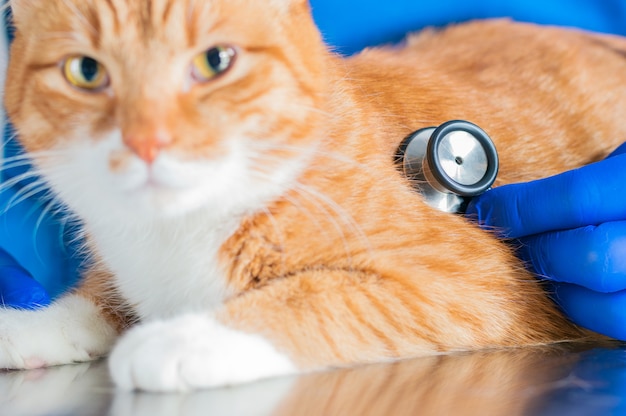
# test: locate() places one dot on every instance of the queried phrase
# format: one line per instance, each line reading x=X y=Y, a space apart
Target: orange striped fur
x=348 y=265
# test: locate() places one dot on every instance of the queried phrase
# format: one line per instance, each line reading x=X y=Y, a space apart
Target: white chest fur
x=167 y=268
x=159 y=226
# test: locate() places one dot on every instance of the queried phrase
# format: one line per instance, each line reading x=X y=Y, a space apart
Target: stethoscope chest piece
x=449 y=164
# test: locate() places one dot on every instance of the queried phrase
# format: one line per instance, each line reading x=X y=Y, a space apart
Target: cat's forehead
x=173 y=20
x=147 y=20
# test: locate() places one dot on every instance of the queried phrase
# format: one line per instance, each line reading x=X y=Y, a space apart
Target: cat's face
x=160 y=107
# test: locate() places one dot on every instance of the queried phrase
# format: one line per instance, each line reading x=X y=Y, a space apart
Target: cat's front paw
x=68 y=331
x=192 y=352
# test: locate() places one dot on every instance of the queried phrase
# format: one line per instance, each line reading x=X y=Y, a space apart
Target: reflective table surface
x=556 y=380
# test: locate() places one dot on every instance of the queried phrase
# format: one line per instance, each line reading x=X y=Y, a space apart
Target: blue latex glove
x=572 y=230
x=17 y=287
x=38 y=251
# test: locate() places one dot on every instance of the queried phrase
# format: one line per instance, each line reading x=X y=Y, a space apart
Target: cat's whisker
x=338 y=217
x=65 y=217
x=265 y=148
x=16 y=158
x=416 y=182
x=47 y=210
x=333 y=211
x=342 y=213
x=9 y=137
x=14 y=165
x=301 y=208
x=33 y=153
x=9 y=183
x=25 y=168
x=17 y=162
x=31 y=158
x=328 y=214
x=45 y=154
x=27 y=192
x=266 y=176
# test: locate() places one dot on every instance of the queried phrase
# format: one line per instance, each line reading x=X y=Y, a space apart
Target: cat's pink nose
x=145 y=151
x=147 y=147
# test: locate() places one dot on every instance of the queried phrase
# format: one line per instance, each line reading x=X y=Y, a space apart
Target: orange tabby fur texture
x=349 y=265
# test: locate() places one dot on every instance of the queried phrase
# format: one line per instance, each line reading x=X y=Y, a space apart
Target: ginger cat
x=236 y=182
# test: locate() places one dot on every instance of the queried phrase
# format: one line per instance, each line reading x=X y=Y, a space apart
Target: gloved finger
x=601 y=312
x=591 y=195
x=17 y=288
x=592 y=256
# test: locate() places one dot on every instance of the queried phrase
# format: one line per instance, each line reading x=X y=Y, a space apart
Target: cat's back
x=481 y=50
x=538 y=91
x=503 y=40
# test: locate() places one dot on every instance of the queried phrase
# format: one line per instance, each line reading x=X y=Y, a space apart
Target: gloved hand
x=17 y=287
x=38 y=251
x=572 y=231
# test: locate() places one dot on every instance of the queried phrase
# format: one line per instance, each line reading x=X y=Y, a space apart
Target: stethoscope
x=449 y=164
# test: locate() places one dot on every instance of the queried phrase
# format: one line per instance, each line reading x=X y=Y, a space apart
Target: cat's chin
x=152 y=202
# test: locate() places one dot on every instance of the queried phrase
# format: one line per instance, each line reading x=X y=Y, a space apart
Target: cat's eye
x=212 y=62
x=85 y=73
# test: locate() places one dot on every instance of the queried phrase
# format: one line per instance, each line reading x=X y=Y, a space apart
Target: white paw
x=68 y=331
x=191 y=352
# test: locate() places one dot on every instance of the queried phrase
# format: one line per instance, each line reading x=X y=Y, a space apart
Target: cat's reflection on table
x=523 y=381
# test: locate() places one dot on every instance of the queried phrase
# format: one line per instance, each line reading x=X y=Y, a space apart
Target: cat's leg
x=266 y=332
x=314 y=320
x=70 y=330
x=79 y=326
x=193 y=351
